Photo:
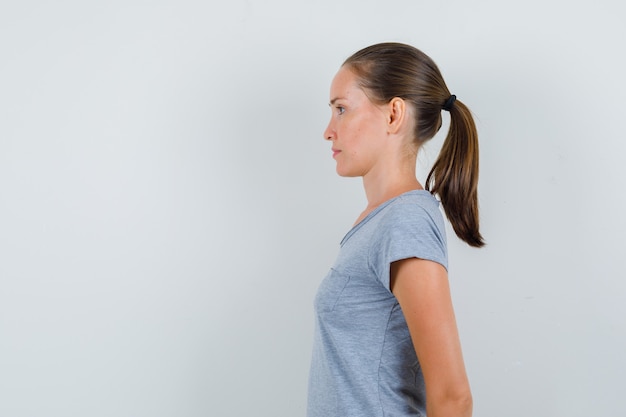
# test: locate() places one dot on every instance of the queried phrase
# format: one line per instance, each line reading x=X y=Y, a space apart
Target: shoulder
x=410 y=226
x=413 y=209
x=413 y=218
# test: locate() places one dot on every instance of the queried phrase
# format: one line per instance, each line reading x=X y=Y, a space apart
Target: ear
x=397 y=115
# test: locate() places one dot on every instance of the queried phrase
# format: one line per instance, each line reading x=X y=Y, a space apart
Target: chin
x=346 y=173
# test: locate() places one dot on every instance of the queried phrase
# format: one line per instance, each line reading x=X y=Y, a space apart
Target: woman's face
x=357 y=127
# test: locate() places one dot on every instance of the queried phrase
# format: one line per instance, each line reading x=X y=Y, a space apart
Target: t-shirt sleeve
x=408 y=230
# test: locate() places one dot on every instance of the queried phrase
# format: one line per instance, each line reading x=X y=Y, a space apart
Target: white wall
x=168 y=206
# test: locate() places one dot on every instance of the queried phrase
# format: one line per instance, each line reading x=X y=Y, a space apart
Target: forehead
x=344 y=85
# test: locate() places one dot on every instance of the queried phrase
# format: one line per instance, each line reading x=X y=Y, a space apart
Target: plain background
x=168 y=206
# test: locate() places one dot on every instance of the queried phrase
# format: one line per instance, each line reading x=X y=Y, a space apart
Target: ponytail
x=454 y=176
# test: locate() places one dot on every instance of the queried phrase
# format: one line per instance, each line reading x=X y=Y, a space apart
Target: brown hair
x=390 y=70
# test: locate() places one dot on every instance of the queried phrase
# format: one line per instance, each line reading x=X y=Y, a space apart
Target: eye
x=340 y=109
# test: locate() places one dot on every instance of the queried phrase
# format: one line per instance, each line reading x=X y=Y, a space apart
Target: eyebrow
x=332 y=102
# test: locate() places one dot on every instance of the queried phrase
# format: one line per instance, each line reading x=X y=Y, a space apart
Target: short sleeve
x=408 y=229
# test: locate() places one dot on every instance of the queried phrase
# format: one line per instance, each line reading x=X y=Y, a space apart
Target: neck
x=392 y=175
x=382 y=186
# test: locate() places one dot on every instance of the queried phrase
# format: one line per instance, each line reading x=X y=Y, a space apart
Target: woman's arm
x=423 y=292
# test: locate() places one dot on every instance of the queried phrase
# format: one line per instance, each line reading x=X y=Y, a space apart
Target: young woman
x=386 y=340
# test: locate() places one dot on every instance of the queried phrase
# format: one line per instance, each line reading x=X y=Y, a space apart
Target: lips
x=335 y=152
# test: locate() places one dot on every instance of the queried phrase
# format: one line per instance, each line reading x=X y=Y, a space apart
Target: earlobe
x=397 y=114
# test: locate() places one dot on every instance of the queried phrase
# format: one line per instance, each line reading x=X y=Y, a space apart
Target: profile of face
x=357 y=126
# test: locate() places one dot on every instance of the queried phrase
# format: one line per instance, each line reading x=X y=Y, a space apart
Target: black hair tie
x=447 y=106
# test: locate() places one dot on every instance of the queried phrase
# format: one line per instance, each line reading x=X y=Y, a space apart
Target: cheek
x=353 y=130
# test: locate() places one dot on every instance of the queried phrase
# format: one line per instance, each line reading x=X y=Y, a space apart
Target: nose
x=329 y=132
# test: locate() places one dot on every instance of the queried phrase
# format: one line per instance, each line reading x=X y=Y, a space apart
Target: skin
x=374 y=141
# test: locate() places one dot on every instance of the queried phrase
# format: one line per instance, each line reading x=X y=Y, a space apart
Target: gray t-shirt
x=363 y=361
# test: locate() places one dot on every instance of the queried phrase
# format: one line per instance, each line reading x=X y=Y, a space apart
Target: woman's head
x=390 y=70
x=393 y=70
